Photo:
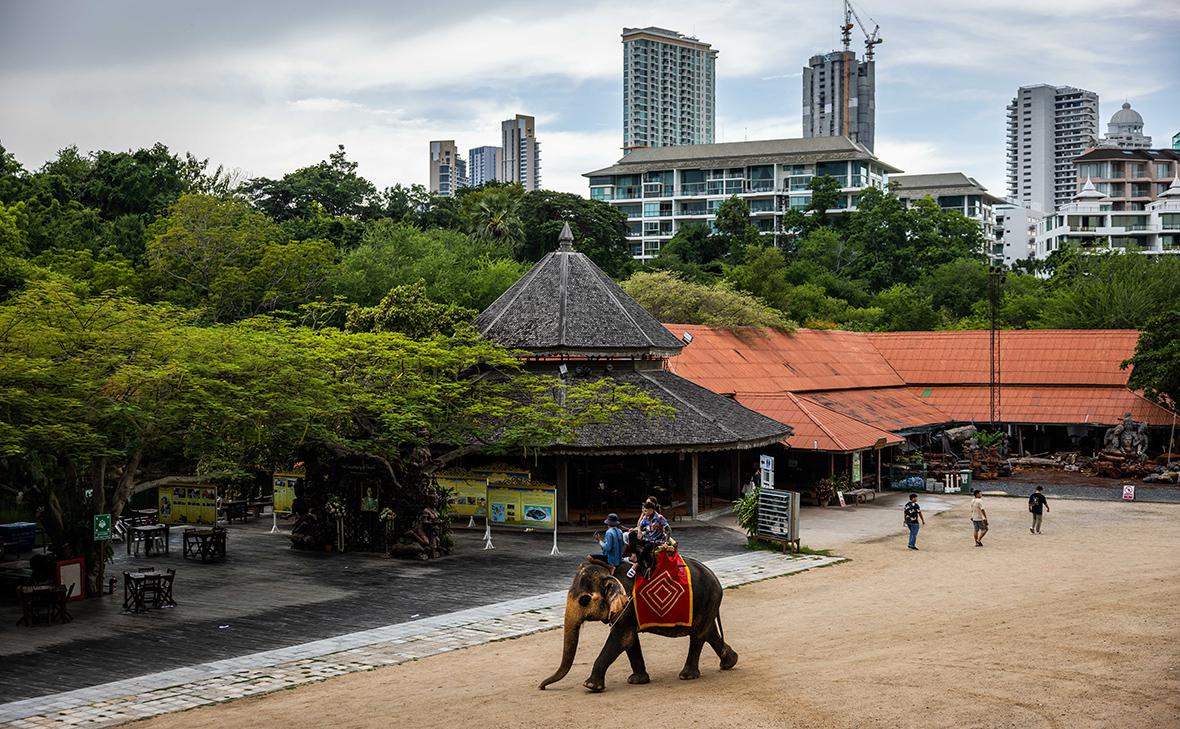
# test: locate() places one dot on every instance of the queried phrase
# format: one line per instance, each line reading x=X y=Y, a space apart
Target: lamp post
x=995 y=293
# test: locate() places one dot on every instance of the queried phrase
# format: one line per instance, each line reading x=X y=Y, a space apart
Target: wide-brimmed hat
x=611 y=520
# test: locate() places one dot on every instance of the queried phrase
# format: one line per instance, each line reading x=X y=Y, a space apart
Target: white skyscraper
x=483 y=165
x=448 y=171
x=1048 y=126
x=668 y=89
x=520 y=160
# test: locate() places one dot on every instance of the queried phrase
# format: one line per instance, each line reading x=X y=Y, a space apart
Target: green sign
x=102 y=527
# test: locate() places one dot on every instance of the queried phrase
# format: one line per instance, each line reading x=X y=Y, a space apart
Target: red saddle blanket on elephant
x=664 y=599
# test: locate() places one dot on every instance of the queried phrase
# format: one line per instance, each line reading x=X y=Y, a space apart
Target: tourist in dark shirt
x=1037 y=505
x=912 y=518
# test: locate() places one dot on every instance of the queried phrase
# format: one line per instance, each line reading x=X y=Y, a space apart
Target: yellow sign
x=530 y=506
x=498 y=474
x=469 y=494
x=195 y=504
x=284 y=491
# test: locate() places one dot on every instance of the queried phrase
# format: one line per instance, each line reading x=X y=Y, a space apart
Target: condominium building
x=952 y=191
x=839 y=97
x=668 y=89
x=448 y=171
x=1015 y=236
x=662 y=189
x=520 y=159
x=1048 y=126
x=1091 y=223
x=483 y=165
x=1176 y=140
x=1128 y=179
x=1125 y=130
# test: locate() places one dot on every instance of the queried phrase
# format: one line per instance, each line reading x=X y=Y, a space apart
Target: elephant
x=598 y=594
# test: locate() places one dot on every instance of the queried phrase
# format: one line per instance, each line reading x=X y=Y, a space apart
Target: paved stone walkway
x=259 y=673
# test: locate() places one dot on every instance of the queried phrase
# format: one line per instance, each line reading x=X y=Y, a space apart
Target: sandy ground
x=1076 y=628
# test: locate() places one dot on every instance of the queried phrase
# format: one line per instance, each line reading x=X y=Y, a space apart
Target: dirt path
x=1076 y=628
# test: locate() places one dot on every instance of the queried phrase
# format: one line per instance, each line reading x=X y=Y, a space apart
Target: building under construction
x=839 y=91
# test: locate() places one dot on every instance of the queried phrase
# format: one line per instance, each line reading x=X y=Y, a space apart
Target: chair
x=59 y=601
x=150 y=591
x=159 y=541
x=164 y=594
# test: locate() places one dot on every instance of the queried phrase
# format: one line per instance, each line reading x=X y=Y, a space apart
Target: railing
x=692 y=189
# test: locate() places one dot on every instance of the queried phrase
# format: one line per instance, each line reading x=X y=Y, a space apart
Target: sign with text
x=1128 y=492
x=284 y=491
x=193 y=504
x=766 y=465
x=102 y=527
x=469 y=493
x=495 y=474
x=531 y=507
x=856 y=468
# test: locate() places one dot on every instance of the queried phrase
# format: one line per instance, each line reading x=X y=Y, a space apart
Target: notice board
x=192 y=504
x=525 y=505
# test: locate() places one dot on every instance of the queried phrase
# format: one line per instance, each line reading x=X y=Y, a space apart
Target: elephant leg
x=638 y=667
x=615 y=644
x=728 y=656
x=692 y=664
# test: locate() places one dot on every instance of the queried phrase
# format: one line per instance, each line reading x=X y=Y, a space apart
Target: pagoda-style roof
x=566 y=306
x=703 y=421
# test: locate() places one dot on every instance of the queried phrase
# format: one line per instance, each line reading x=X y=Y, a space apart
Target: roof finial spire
x=565 y=240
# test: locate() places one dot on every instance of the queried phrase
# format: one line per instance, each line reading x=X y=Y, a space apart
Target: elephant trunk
x=573 y=628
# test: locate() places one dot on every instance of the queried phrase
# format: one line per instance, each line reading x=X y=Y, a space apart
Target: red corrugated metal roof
x=816 y=427
x=754 y=359
x=1028 y=357
x=1045 y=405
x=888 y=408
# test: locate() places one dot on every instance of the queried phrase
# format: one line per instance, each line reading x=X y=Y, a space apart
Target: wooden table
x=44 y=600
x=204 y=544
x=237 y=509
x=147 y=534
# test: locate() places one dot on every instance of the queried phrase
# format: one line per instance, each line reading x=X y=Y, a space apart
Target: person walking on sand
x=911 y=516
x=1037 y=505
x=978 y=517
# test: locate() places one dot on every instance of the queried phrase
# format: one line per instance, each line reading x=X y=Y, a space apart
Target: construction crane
x=871 y=39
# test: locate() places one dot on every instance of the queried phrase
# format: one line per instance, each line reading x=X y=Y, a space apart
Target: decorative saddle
x=663 y=597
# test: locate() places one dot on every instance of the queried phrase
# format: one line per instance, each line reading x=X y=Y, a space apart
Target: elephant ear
x=615 y=595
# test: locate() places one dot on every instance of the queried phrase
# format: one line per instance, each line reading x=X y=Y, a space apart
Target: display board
x=522 y=504
x=284 y=491
x=469 y=493
x=857 y=467
x=192 y=504
x=500 y=473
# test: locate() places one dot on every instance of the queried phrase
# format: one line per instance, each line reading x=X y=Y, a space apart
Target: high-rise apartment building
x=520 y=160
x=839 y=97
x=448 y=171
x=668 y=89
x=483 y=165
x=1048 y=126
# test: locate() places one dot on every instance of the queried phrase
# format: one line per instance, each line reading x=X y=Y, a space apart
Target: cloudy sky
x=269 y=87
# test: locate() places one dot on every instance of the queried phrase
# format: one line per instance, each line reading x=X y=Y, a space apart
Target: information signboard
x=766 y=465
x=778 y=515
x=469 y=493
x=284 y=491
x=530 y=507
x=856 y=467
x=496 y=474
x=193 y=504
x=102 y=527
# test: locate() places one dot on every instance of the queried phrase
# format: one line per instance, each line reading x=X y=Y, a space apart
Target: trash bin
x=966 y=474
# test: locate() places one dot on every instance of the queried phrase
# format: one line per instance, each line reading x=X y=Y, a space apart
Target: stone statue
x=1128 y=438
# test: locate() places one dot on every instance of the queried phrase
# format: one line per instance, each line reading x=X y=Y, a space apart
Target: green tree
x=408 y=310
x=674 y=301
x=825 y=196
x=233 y=261
x=904 y=309
x=1156 y=364
x=955 y=287
x=600 y=231
x=455 y=268
x=1111 y=291
x=333 y=184
x=492 y=215
x=693 y=243
x=734 y=230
